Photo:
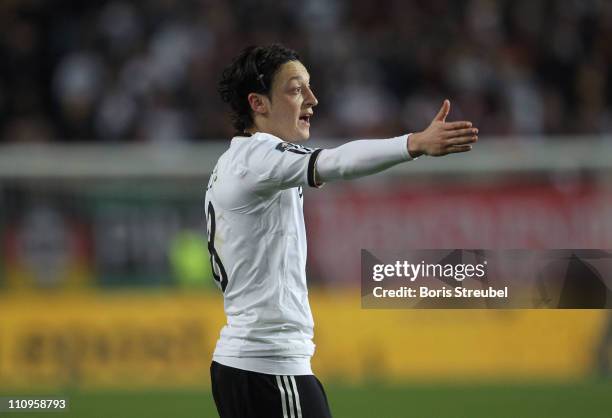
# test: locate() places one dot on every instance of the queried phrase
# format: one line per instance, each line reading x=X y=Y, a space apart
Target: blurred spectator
x=126 y=70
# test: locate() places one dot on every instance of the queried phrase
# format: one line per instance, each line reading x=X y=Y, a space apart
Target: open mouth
x=306 y=119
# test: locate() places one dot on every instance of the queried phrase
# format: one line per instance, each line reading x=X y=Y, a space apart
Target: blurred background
x=110 y=126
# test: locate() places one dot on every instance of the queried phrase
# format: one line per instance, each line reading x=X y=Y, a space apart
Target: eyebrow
x=297 y=77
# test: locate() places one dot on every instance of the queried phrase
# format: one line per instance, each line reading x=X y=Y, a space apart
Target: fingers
x=461 y=132
x=462 y=140
x=443 y=112
x=449 y=126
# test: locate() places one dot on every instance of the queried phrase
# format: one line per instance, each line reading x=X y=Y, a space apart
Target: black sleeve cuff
x=311 y=168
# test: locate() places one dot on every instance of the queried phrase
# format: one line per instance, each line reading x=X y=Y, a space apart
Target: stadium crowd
x=147 y=70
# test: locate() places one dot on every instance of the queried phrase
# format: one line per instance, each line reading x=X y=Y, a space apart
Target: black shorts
x=243 y=394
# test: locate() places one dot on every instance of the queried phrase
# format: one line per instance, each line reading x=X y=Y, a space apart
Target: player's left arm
x=364 y=157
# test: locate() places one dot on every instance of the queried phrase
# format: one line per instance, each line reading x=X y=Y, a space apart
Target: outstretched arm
x=365 y=157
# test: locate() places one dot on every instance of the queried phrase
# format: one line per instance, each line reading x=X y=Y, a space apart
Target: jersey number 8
x=218 y=270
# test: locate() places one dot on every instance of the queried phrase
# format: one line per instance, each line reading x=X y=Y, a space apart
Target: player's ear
x=258 y=103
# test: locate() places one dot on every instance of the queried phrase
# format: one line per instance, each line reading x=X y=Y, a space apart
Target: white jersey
x=257 y=243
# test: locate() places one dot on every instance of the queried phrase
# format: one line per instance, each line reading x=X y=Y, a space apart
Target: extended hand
x=442 y=137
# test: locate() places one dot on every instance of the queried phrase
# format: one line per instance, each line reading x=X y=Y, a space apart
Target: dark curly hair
x=251 y=72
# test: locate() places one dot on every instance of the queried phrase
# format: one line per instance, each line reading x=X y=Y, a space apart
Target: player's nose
x=311 y=99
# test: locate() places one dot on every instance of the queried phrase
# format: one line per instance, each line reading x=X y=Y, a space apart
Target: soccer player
x=256 y=233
